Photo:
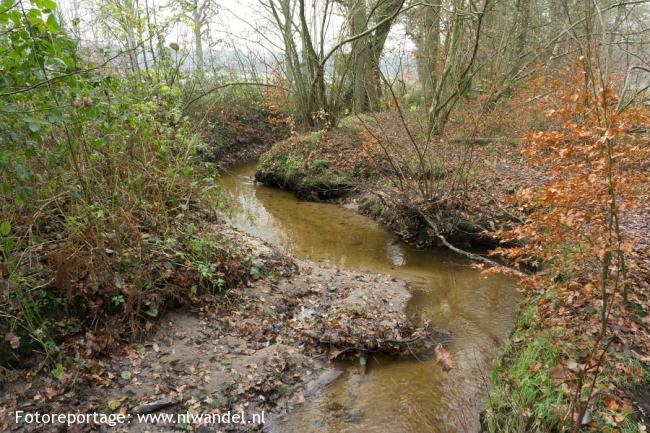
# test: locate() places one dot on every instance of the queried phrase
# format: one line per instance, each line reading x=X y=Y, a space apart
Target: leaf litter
x=263 y=347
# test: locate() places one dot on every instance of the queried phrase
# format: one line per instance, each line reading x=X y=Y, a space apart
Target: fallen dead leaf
x=13 y=340
x=443 y=358
x=51 y=391
x=559 y=373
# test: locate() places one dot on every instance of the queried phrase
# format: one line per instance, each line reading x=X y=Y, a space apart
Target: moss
x=319 y=165
x=287 y=166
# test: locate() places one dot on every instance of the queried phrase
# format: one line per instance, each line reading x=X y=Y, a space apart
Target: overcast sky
x=240 y=24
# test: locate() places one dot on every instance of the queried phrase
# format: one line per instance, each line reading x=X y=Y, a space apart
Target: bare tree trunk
x=458 y=69
x=366 y=51
x=385 y=10
x=133 y=55
x=611 y=40
x=197 y=25
x=516 y=56
x=359 y=55
x=430 y=41
x=317 y=101
x=150 y=35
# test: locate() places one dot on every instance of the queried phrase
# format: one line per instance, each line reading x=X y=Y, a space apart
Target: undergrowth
x=238 y=119
x=106 y=203
x=530 y=392
x=524 y=397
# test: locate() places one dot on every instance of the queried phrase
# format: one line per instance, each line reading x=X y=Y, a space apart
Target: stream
x=408 y=394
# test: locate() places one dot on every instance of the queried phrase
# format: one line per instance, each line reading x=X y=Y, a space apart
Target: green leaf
x=15 y=16
x=114 y=404
x=22 y=194
x=45 y=4
x=52 y=25
x=58 y=371
x=34 y=17
x=56 y=63
x=21 y=172
x=256 y=272
x=152 y=312
x=5 y=228
x=34 y=127
x=126 y=375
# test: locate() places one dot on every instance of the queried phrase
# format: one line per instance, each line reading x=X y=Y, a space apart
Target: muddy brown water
x=392 y=395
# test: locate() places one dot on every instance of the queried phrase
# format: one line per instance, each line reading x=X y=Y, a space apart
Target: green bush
x=98 y=174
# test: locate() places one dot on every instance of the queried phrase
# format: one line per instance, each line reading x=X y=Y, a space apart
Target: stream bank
x=472 y=182
x=266 y=348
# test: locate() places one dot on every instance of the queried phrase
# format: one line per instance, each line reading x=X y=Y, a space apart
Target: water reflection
x=395 y=253
x=405 y=395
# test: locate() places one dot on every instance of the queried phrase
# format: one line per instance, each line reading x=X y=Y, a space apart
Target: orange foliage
x=596 y=166
x=595 y=163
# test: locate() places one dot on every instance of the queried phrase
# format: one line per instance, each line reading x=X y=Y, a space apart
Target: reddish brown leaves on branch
x=580 y=227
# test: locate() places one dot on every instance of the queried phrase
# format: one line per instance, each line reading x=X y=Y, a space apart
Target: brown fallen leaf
x=13 y=340
x=611 y=403
x=51 y=391
x=443 y=358
x=572 y=365
x=559 y=373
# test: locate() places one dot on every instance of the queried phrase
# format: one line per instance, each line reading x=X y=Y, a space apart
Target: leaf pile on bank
x=329 y=310
x=351 y=331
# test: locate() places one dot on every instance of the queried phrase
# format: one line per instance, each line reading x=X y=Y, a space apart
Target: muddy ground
x=264 y=349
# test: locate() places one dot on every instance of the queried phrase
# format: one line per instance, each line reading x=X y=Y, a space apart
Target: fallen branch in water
x=475 y=257
x=361 y=335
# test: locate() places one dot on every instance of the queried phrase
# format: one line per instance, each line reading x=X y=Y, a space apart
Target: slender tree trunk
x=378 y=42
x=429 y=43
x=360 y=55
x=150 y=36
x=198 y=42
x=457 y=73
x=515 y=57
x=611 y=40
x=317 y=101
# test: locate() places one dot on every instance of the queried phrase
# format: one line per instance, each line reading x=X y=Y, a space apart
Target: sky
x=241 y=25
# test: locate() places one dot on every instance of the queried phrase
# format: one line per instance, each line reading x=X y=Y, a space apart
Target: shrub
x=96 y=187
